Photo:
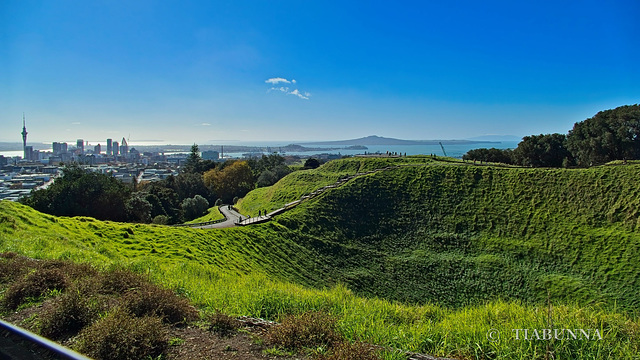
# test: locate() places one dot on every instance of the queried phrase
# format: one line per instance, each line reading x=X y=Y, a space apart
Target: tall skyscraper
x=97 y=149
x=109 y=147
x=115 y=148
x=80 y=146
x=124 y=147
x=24 y=138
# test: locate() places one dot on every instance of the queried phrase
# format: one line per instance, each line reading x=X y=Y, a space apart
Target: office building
x=124 y=147
x=59 y=148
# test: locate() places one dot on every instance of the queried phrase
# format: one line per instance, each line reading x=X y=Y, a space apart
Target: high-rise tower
x=24 y=138
x=124 y=147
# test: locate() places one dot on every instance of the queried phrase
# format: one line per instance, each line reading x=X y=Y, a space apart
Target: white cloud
x=282 y=88
x=300 y=95
x=75 y=123
x=205 y=124
x=277 y=80
x=285 y=89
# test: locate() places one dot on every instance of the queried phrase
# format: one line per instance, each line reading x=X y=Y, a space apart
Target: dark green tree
x=311 y=163
x=82 y=193
x=504 y=156
x=542 y=151
x=164 y=201
x=194 y=207
x=609 y=135
x=266 y=178
x=193 y=161
x=139 y=208
x=188 y=185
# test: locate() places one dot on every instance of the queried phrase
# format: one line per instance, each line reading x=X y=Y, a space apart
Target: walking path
x=232 y=217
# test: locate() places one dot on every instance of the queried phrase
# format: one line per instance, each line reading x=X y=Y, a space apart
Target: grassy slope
x=462 y=234
x=303 y=182
x=212 y=214
x=230 y=251
x=253 y=270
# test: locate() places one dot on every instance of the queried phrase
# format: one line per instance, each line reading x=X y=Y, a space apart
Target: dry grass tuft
x=222 y=324
x=69 y=314
x=35 y=284
x=349 y=351
x=310 y=329
x=119 y=335
x=164 y=303
x=120 y=282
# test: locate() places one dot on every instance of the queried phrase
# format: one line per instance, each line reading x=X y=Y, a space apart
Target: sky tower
x=24 y=136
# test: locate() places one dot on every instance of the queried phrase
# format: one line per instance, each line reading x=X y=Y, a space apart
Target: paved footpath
x=231 y=215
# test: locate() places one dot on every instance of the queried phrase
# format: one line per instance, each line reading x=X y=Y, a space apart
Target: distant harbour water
x=455 y=151
x=11 y=154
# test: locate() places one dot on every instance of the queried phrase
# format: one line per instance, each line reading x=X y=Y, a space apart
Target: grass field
x=423 y=258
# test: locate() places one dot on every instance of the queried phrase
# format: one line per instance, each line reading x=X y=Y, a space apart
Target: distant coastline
x=379 y=140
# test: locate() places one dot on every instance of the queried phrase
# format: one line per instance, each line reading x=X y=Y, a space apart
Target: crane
x=445 y=153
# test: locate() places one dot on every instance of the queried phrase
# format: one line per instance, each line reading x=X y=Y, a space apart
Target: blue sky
x=199 y=71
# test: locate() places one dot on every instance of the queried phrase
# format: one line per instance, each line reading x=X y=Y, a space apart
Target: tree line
x=609 y=135
x=176 y=199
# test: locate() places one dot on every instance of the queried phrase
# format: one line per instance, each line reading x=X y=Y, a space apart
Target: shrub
x=311 y=163
x=119 y=282
x=194 y=207
x=222 y=324
x=69 y=314
x=310 y=329
x=13 y=266
x=348 y=351
x=161 y=220
x=72 y=270
x=35 y=284
x=164 y=303
x=119 y=335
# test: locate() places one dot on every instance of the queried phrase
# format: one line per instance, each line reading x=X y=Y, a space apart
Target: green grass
x=212 y=214
x=303 y=182
x=460 y=235
x=425 y=259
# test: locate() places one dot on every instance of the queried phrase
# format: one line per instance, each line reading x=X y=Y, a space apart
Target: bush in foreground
x=222 y=324
x=164 y=303
x=35 y=284
x=349 y=351
x=120 y=335
x=68 y=314
x=311 y=329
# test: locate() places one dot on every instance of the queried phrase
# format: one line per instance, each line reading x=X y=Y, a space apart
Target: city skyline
x=206 y=73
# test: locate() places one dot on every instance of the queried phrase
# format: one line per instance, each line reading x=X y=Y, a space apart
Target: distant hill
x=379 y=140
x=496 y=138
